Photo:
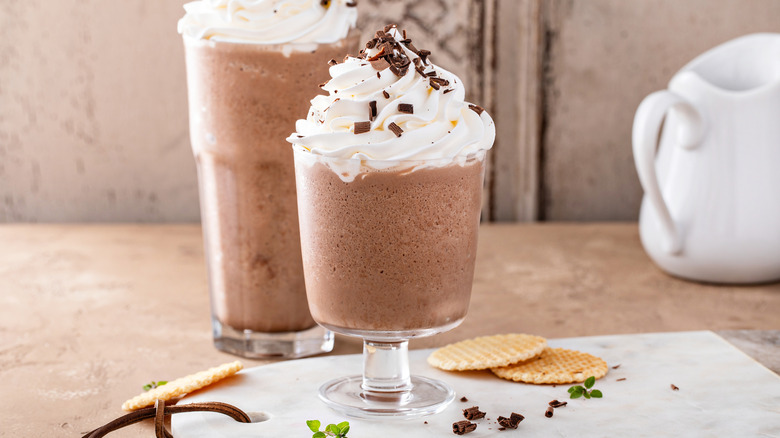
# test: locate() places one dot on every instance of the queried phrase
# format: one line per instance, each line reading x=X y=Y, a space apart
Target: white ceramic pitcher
x=711 y=210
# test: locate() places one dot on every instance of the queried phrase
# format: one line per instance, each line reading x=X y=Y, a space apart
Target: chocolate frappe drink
x=251 y=68
x=390 y=170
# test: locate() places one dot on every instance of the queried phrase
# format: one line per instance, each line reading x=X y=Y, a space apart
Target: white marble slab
x=722 y=392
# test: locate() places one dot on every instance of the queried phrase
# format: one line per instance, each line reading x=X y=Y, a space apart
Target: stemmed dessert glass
x=388 y=254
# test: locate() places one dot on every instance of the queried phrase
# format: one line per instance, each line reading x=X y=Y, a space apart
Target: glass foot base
x=427 y=397
x=281 y=345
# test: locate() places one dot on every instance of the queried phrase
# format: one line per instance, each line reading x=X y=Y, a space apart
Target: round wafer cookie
x=183 y=385
x=487 y=352
x=555 y=366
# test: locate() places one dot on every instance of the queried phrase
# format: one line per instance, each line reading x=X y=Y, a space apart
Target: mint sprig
x=332 y=430
x=580 y=391
x=154 y=384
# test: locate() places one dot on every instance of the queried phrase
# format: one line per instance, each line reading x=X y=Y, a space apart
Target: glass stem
x=386 y=369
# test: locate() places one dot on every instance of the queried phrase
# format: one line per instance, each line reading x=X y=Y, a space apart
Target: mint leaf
x=589 y=382
x=314 y=425
x=596 y=393
x=333 y=429
x=319 y=435
x=344 y=426
x=162 y=382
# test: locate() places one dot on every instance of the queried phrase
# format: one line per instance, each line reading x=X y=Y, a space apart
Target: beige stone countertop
x=90 y=313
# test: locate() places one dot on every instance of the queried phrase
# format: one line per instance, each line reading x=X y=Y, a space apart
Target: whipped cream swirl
x=305 y=22
x=391 y=104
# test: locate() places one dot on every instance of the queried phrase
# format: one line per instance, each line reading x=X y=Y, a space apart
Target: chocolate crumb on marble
x=463 y=427
x=473 y=413
x=549 y=412
x=511 y=422
x=674 y=387
x=558 y=404
x=464 y=399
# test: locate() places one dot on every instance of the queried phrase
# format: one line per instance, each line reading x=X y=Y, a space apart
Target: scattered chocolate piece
x=464 y=399
x=325 y=3
x=424 y=54
x=407 y=108
x=378 y=75
x=616 y=366
x=620 y=379
x=473 y=413
x=372 y=110
x=351 y=4
x=476 y=108
x=332 y=62
x=323 y=84
x=558 y=404
x=511 y=422
x=549 y=412
x=463 y=427
x=397 y=130
x=448 y=90
x=380 y=64
x=362 y=127
x=425 y=422
x=675 y=388
x=386 y=94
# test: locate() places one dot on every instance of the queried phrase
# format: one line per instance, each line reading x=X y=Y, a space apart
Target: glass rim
x=478 y=155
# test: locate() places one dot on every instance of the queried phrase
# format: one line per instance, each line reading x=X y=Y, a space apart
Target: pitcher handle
x=645 y=136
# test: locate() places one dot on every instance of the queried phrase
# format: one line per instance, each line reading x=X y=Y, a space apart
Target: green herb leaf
x=596 y=393
x=344 y=426
x=586 y=394
x=314 y=425
x=162 y=382
x=589 y=382
x=572 y=389
x=577 y=392
x=147 y=387
x=333 y=429
x=319 y=435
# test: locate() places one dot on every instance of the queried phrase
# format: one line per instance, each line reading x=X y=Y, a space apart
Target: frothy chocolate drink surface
x=391 y=250
x=244 y=100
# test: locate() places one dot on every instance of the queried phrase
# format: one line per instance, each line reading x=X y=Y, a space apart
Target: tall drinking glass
x=244 y=98
x=388 y=254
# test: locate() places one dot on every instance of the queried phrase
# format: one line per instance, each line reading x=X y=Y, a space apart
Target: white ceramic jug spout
x=711 y=210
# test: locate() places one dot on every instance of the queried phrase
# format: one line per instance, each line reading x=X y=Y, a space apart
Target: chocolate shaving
x=621 y=379
x=473 y=413
x=549 y=412
x=386 y=94
x=396 y=129
x=476 y=108
x=511 y=422
x=439 y=81
x=448 y=90
x=674 y=387
x=616 y=366
x=351 y=4
x=463 y=427
x=332 y=62
x=325 y=3
x=380 y=64
x=558 y=404
x=435 y=85
x=372 y=110
x=464 y=399
x=362 y=127
x=406 y=108
x=378 y=75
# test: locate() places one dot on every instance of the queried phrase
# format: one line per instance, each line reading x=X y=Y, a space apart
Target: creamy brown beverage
x=251 y=69
x=389 y=171
x=391 y=250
